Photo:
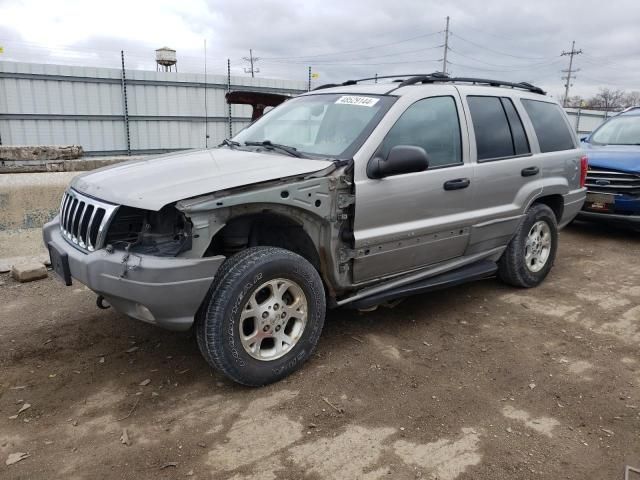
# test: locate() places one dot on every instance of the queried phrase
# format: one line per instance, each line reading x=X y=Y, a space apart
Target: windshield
x=332 y=125
x=623 y=130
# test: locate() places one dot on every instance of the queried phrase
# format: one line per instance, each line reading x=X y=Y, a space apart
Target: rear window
x=550 y=126
x=498 y=130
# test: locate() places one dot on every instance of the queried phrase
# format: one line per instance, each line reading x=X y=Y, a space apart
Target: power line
x=503 y=70
x=349 y=61
x=356 y=50
x=569 y=71
x=525 y=65
x=342 y=64
x=522 y=57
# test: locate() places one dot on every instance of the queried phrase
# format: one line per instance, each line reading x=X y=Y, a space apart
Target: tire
x=264 y=343
x=513 y=267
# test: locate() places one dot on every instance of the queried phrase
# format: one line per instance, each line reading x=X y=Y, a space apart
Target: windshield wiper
x=276 y=146
x=230 y=143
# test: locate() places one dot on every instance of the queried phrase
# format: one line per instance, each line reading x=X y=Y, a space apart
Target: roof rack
x=431 y=78
x=382 y=77
x=443 y=77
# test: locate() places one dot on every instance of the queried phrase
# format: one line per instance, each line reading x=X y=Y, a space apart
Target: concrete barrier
x=29 y=200
x=79 y=165
x=40 y=152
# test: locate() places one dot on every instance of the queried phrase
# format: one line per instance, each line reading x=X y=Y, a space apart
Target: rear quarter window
x=493 y=135
x=550 y=126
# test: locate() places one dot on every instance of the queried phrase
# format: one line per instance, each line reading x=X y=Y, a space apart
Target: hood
x=625 y=158
x=155 y=182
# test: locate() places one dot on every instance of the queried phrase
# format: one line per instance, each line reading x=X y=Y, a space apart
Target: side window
x=433 y=124
x=493 y=135
x=548 y=122
x=520 y=142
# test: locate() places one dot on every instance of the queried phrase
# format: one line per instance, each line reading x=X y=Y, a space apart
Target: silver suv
x=347 y=196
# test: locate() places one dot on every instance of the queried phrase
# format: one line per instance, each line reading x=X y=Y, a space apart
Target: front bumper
x=626 y=210
x=165 y=291
x=609 y=217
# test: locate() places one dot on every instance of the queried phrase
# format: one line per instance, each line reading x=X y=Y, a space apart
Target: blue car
x=613 y=179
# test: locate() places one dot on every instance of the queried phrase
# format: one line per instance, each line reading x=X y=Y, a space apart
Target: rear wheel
x=532 y=251
x=264 y=315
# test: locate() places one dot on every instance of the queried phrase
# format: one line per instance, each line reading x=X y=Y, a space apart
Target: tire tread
x=209 y=325
x=511 y=267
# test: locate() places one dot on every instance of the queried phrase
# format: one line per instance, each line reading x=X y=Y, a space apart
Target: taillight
x=584 y=166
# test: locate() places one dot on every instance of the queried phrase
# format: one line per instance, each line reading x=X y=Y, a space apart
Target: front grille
x=84 y=220
x=611 y=181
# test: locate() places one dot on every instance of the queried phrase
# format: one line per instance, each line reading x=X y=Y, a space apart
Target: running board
x=474 y=271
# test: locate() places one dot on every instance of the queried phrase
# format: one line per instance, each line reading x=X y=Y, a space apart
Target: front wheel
x=532 y=251
x=264 y=315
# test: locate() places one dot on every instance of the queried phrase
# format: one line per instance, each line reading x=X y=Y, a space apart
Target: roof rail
x=443 y=77
x=494 y=83
x=326 y=85
x=382 y=77
x=439 y=77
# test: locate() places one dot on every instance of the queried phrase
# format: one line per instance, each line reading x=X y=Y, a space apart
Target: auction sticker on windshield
x=355 y=100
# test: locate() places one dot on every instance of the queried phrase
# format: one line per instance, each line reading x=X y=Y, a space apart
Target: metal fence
x=43 y=104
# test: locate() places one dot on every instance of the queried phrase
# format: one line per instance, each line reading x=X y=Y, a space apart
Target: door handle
x=530 y=171
x=457 y=184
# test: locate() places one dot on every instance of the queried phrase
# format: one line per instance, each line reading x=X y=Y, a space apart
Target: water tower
x=166 y=59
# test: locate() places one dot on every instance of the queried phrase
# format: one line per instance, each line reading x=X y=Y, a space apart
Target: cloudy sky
x=517 y=41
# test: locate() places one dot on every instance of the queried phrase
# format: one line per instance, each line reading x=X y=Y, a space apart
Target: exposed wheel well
x=264 y=229
x=554 y=202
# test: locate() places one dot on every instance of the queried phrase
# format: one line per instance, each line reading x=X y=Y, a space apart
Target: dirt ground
x=481 y=381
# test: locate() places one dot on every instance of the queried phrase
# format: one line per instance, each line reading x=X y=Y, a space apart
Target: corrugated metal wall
x=62 y=105
x=585 y=121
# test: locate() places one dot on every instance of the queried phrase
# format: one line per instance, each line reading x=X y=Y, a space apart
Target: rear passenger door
x=508 y=176
x=558 y=145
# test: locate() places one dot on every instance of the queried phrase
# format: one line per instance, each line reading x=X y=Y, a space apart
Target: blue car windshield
x=623 y=130
x=328 y=125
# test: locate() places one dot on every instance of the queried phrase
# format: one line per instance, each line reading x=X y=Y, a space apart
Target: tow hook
x=100 y=302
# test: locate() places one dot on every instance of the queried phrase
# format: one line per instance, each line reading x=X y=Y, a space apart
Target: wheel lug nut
x=266 y=328
x=265 y=314
x=278 y=328
x=276 y=306
x=283 y=315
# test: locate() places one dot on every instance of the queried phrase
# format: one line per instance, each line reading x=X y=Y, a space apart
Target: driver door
x=407 y=221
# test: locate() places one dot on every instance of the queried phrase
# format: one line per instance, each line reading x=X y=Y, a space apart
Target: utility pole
x=446 y=47
x=570 y=71
x=251 y=59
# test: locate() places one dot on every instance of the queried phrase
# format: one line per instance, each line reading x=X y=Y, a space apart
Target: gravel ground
x=481 y=381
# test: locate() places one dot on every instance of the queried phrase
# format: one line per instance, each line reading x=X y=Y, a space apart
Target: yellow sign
x=315 y=75
x=1 y=49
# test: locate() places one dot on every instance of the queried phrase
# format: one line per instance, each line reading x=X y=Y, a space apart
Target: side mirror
x=401 y=159
x=584 y=139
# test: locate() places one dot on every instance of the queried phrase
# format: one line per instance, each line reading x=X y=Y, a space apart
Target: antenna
x=206 y=116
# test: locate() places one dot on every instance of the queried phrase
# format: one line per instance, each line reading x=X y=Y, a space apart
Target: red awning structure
x=258 y=100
